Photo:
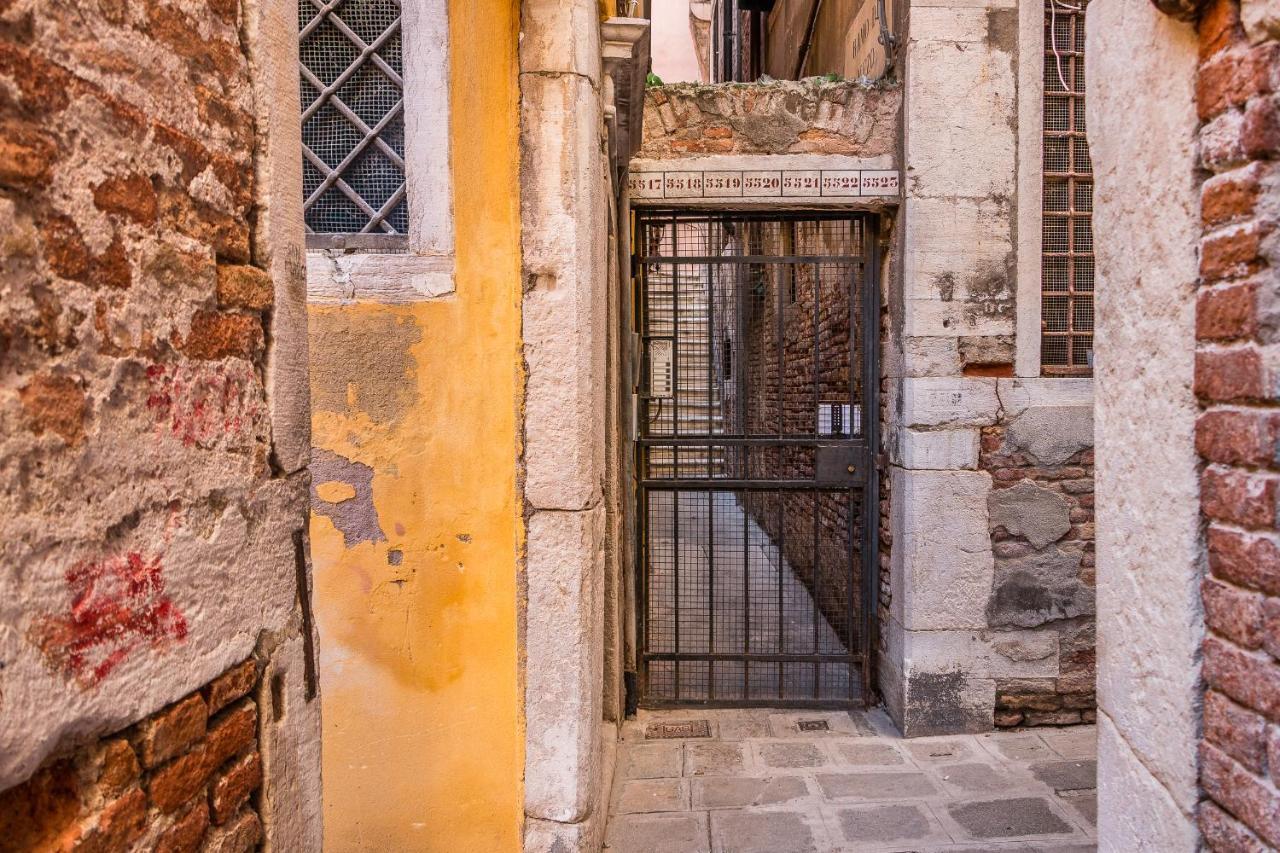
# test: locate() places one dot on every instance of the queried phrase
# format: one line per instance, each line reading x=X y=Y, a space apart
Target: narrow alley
x=642 y=426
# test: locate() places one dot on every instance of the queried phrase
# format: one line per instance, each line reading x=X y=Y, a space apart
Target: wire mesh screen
x=1066 y=341
x=351 y=68
x=757 y=369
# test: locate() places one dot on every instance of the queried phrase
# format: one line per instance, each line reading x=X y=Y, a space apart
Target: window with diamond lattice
x=1066 y=307
x=353 y=138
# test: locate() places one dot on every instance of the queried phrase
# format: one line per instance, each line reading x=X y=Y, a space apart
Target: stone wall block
x=930 y=356
x=944 y=449
x=983 y=654
x=1038 y=589
x=945 y=703
x=948 y=402
x=1019 y=395
x=561 y=37
x=960 y=103
x=958 y=266
x=1053 y=434
x=564 y=319
x=1029 y=511
x=1261 y=19
x=565 y=638
x=944 y=549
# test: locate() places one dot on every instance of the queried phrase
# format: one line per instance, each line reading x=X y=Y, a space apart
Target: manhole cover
x=681 y=729
x=814 y=726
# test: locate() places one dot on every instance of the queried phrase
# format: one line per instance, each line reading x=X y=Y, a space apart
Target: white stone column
x=564 y=220
x=1142 y=122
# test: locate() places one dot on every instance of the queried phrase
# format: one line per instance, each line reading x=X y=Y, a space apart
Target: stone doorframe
x=581 y=90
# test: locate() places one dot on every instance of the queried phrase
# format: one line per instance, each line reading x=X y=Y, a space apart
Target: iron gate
x=757 y=419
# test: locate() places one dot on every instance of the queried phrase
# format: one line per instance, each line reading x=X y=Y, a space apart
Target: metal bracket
x=840 y=465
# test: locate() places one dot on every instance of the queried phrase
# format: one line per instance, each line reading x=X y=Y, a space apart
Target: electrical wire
x=1053 y=37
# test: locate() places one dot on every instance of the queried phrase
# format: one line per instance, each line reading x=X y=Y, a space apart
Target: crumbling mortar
x=556 y=75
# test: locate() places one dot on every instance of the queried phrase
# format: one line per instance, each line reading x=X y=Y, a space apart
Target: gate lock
x=840 y=465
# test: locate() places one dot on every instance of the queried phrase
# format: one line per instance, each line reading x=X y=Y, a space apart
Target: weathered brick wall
x=1239 y=424
x=181 y=780
x=811 y=116
x=1042 y=539
x=152 y=399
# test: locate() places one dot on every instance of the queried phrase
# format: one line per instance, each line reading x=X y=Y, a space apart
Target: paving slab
x=637 y=796
x=838 y=724
x=713 y=759
x=935 y=751
x=751 y=831
x=867 y=752
x=977 y=779
x=890 y=824
x=1085 y=804
x=1020 y=817
x=1067 y=775
x=796 y=753
x=876 y=786
x=1022 y=847
x=742 y=724
x=1016 y=746
x=854 y=787
x=719 y=792
x=1073 y=742
x=658 y=833
x=650 y=760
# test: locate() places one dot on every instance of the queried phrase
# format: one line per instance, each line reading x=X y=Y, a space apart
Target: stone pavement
x=761 y=785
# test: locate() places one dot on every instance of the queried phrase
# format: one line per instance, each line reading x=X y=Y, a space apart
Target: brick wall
x=1238 y=428
x=183 y=779
x=1051 y=545
x=153 y=402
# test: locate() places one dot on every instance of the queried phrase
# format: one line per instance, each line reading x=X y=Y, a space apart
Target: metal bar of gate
x=675 y=428
x=711 y=510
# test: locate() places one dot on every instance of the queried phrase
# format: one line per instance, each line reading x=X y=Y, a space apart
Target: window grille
x=351 y=68
x=1066 y=312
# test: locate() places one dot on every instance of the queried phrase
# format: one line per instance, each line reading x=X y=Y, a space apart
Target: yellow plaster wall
x=415 y=424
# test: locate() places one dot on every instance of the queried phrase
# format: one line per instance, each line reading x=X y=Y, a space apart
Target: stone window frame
x=1030 y=188
x=346 y=269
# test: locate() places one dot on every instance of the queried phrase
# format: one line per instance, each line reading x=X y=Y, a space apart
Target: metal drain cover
x=813 y=726
x=678 y=729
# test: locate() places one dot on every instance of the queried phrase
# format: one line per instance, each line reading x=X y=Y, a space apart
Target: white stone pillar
x=1142 y=124
x=564 y=222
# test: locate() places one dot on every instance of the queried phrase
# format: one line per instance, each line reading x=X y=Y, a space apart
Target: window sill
x=388 y=278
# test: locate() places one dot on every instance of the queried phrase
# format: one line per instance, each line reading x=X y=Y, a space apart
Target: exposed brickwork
x=1070 y=698
x=155 y=488
x=1238 y=430
x=169 y=783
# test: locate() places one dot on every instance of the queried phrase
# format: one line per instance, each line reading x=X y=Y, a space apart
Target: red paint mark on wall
x=118 y=606
x=208 y=404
